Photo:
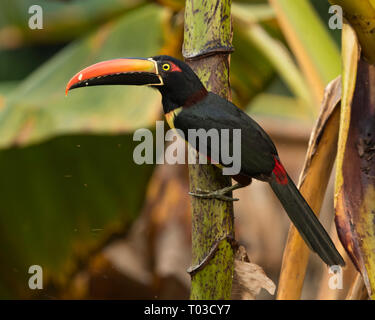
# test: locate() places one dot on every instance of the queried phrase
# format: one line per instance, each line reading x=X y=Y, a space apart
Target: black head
x=181 y=86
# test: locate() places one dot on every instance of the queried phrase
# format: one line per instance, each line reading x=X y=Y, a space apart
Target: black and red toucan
x=188 y=105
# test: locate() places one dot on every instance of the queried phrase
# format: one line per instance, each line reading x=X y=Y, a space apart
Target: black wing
x=214 y=112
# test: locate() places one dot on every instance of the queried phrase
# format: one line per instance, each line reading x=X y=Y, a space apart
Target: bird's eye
x=166 y=67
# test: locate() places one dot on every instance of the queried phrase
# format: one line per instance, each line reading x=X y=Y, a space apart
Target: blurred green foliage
x=60 y=201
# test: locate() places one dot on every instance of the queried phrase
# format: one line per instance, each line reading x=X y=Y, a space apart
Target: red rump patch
x=175 y=68
x=280 y=173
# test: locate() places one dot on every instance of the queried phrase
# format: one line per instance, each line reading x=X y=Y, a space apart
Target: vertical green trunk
x=207 y=45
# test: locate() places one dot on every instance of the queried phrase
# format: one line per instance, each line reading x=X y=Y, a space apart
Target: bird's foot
x=217 y=194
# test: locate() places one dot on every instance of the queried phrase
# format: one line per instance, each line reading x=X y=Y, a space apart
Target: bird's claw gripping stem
x=217 y=194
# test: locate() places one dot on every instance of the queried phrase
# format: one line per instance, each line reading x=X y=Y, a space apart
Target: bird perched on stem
x=188 y=105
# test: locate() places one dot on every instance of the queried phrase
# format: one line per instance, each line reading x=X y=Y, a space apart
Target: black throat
x=181 y=88
x=170 y=103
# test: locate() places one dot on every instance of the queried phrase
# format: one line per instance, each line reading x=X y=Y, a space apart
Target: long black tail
x=306 y=222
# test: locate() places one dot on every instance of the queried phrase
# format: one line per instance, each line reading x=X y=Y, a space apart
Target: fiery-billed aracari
x=188 y=105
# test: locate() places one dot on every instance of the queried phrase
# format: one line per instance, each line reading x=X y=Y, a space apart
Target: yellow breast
x=171 y=115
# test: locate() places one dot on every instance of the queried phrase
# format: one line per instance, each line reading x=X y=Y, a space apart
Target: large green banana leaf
x=61 y=198
x=62 y=20
x=38 y=108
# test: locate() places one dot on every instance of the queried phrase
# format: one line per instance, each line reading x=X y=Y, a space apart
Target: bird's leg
x=217 y=194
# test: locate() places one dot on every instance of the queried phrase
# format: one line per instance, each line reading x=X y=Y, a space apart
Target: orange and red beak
x=132 y=71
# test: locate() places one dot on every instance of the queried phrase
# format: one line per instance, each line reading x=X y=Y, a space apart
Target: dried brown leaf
x=249 y=278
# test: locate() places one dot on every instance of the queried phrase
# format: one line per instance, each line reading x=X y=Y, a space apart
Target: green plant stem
x=207 y=45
